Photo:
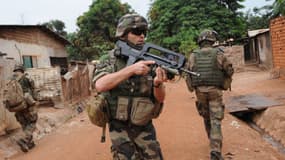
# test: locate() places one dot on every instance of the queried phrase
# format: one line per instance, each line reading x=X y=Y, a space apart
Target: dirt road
x=180 y=132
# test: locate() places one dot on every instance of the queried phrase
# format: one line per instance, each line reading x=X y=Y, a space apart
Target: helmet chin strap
x=135 y=46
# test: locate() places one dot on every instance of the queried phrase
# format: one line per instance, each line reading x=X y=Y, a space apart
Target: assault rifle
x=173 y=63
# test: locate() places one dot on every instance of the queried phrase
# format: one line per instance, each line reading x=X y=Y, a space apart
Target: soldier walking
x=134 y=95
x=215 y=76
x=28 y=116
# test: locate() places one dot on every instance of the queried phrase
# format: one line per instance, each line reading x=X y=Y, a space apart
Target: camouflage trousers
x=27 y=118
x=210 y=106
x=131 y=142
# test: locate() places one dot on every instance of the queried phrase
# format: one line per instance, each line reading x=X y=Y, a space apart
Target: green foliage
x=259 y=18
x=57 y=26
x=103 y=57
x=278 y=8
x=176 y=24
x=188 y=42
x=73 y=51
x=97 y=28
x=233 y=6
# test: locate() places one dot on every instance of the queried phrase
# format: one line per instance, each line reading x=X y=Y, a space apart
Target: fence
x=47 y=83
x=76 y=82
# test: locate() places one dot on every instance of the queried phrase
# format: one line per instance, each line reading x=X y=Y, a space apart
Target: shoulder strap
x=197 y=51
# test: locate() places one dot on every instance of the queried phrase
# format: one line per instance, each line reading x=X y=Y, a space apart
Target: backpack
x=13 y=96
x=97 y=110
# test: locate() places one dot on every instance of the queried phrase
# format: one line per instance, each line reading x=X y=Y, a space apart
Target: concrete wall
x=235 y=54
x=31 y=42
x=264 y=50
x=277 y=30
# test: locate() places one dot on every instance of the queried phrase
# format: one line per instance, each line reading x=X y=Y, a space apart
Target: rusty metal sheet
x=250 y=103
x=47 y=83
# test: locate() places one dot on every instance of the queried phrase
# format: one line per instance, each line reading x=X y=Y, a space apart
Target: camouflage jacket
x=135 y=86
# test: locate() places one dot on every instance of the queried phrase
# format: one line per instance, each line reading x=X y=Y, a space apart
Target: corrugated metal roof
x=251 y=103
x=254 y=33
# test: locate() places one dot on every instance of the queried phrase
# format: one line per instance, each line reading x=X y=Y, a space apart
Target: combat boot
x=23 y=145
x=31 y=144
x=216 y=156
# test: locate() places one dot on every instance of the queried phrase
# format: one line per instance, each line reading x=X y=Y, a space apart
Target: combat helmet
x=208 y=35
x=19 y=68
x=128 y=22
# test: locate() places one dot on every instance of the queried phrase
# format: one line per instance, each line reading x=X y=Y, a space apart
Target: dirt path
x=180 y=131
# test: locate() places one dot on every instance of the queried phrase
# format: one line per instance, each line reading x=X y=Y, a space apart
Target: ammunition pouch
x=227 y=83
x=142 y=111
x=139 y=110
x=228 y=78
x=122 y=109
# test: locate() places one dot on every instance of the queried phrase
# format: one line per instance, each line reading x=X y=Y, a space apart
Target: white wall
x=41 y=52
x=264 y=49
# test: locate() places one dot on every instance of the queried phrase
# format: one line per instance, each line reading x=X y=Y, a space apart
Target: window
x=30 y=61
x=60 y=61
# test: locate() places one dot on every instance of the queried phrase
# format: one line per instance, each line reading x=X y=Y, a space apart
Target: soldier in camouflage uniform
x=128 y=90
x=214 y=69
x=27 y=117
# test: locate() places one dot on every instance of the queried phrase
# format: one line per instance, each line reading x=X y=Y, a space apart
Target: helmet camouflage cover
x=128 y=22
x=209 y=35
x=19 y=68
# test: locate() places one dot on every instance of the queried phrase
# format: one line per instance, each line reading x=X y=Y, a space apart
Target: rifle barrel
x=189 y=72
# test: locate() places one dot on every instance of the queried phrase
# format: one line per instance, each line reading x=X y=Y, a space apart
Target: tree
x=176 y=24
x=259 y=18
x=97 y=27
x=72 y=50
x=57 y=26
x=233 y=6
x=278 y=8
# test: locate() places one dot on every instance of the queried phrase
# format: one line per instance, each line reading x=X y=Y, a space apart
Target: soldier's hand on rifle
x=141 y=67
x=160 y=77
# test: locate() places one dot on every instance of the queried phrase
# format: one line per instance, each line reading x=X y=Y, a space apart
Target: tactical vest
x=25 y=84
x=206 y=65
x=135 y=86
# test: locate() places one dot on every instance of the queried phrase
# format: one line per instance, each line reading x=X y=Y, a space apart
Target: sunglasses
x=138 y=31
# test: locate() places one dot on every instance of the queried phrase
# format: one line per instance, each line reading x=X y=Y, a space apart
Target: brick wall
x=30 y=35
x=277 y=30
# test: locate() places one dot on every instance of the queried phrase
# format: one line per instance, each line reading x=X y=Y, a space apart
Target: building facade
x=258 y=49
x=33 y=45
